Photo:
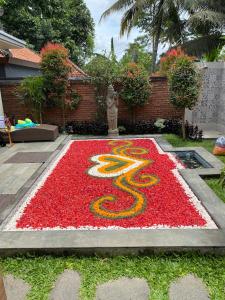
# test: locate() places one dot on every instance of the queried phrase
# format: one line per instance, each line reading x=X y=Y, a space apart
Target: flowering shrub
x=184 y=85
x=56 y=68
x=136 y=88
x=169 y=59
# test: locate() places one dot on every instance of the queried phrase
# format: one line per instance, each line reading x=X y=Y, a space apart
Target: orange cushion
x=219 y=151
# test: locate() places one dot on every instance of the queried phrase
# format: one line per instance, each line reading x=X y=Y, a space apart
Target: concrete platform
x=212 y=134
x=113 y=242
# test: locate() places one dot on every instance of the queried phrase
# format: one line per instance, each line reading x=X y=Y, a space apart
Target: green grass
x=216 y=187
x=159 y=271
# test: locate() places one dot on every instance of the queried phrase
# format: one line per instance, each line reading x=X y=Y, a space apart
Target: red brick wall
x=86 y=110
x=12 y=105
x=158 y=106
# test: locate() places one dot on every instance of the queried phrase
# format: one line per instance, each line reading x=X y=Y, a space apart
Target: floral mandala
x=111 y=185
x=123 y=164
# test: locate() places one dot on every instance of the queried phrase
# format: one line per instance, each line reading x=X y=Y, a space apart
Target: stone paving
x=17 y=166
x=124 y=289
x=67 y=287
x=16 y=289
x=188 y=288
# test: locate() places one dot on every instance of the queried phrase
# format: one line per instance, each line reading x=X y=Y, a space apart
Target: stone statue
x=112 y=111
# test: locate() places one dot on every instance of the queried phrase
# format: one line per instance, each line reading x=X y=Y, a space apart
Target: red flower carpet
x=103 y=184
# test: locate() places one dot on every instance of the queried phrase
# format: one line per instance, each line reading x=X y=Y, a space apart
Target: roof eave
x=8 y=41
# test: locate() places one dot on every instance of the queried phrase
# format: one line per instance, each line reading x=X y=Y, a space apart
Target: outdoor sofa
x=40 y=133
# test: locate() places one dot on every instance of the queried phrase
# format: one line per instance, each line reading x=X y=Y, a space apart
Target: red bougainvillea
x=142 y=181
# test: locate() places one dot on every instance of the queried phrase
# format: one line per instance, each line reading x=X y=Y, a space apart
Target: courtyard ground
x=159 y=271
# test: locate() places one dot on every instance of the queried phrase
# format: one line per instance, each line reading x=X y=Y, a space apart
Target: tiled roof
x=77 y=72
x=25 y=54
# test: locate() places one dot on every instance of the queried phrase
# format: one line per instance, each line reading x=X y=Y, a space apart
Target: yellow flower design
x=123 y=164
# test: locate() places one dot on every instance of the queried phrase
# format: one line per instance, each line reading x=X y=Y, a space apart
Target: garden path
x=67 y=287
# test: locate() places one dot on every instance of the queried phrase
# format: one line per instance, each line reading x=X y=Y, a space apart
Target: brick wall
x=158 y=106
x=86 y=110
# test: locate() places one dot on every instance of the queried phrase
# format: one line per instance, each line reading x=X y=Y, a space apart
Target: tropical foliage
x=31 y=92
x=138 y=54
x=103 y=71
x=60 y=21
x=56 y=68
x=196 y=25
x=184 y=85
x=136 y=88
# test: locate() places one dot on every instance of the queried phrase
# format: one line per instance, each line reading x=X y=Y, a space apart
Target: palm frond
x=203 y=45
x=117 y=6
x=129 y=19
x=207 y=16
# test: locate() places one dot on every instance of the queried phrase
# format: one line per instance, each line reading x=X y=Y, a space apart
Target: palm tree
x=199 y=34
x=160 y=11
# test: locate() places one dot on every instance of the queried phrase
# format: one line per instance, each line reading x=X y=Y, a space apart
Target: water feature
x=192 y=160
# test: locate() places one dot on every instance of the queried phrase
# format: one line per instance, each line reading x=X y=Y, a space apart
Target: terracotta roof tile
x=25 y=54
x=77 y=72
x=28 y=55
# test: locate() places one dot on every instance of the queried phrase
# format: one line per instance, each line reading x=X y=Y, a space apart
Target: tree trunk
x=64 y=117
x=155 y=48
x=2 y=290
x=154 y=55
x=183 y=127
x=133 y=115
x=40 y=114
x=156 y=36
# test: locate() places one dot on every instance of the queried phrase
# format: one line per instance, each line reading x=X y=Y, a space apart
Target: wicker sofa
x=40 y=133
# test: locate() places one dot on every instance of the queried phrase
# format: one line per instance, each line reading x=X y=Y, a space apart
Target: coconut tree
x=199 y=32
x=158 y=14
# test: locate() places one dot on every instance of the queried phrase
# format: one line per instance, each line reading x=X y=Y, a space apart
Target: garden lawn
x=208 y=145
x=159 y=271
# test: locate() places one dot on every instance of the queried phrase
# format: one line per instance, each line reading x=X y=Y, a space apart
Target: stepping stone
x=188 y=288
x=16 y=289
x=28 y=157
x=124 y=289
x=67 y=286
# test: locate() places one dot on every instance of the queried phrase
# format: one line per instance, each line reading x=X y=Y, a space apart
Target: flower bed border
x=133 y=241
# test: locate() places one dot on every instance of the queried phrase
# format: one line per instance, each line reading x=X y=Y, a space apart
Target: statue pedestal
x=113 y=133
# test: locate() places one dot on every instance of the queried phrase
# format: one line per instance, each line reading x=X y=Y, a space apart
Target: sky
x=108 y=28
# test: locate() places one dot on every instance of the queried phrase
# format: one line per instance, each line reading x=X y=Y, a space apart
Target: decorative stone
x=188 y=288
x=124 y=289
x=112 y=111
x=67 y=286
x=16 y=289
